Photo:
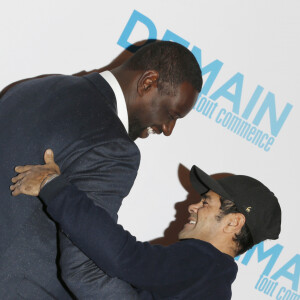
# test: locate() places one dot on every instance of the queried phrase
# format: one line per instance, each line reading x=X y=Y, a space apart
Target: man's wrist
x=53 y=188
x=48 y=179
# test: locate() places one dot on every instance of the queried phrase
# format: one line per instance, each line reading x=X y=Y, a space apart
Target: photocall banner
x=245 y=121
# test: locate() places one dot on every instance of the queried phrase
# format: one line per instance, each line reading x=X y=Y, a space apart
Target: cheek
x=202 y=212
x=207 y=218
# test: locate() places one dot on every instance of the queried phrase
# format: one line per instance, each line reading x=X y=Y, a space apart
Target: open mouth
x=150 y=130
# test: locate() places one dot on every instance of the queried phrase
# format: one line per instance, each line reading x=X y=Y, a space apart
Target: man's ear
x=147 y=81
x=234 y=223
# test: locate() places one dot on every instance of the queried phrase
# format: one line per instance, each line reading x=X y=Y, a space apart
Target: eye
x=204 y=202
x=171 y=117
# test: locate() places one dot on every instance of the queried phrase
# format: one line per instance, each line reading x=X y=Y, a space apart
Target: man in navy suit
x=85 y=121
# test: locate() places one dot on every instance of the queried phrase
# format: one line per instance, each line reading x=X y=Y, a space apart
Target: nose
x=168 y=127
x=193 y=208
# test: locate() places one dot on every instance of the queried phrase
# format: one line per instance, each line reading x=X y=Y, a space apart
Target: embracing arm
x=116 y=251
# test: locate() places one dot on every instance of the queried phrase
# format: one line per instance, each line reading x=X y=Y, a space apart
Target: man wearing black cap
x=234 y=214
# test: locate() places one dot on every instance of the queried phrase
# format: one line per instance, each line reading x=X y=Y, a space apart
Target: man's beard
x=135 y=128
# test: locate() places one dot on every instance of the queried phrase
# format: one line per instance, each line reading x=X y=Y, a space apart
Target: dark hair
x=243 y=239
x=174 y=63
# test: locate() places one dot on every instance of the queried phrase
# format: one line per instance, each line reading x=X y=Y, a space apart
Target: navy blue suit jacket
x=76 y=117
x=190 y=269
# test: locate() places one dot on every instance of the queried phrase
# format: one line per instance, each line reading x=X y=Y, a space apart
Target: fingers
x=21 y=169
x=49 y=157
x=16 y=189
x=16 y=193
x=30 y=177
x=13 y=187
x=21 y=187
x=18 y=177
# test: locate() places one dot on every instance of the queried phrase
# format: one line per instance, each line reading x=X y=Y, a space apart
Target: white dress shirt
x=121 y=104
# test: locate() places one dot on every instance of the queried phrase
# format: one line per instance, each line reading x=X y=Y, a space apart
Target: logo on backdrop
x=246 y=124
x=280 y=282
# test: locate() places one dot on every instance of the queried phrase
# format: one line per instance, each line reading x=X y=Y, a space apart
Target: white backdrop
x=255 y=47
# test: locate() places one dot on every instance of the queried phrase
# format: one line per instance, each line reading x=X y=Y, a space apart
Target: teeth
x=192 y=222
x=150 y=130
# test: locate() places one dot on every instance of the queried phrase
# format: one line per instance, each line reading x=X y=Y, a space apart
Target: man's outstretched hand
x=33 y=177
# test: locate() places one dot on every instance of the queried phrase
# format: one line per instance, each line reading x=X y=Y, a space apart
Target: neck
x=223 y=244
x=127 y=80
x=227 y=249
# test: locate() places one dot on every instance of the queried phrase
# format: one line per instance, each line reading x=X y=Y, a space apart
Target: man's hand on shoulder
x=32 y=178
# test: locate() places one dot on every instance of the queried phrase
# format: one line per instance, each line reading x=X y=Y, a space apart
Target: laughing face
x=203 y=222
x=157 y=113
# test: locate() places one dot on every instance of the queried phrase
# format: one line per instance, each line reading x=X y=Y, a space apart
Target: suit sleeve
x=116 y=251
x=106 y=173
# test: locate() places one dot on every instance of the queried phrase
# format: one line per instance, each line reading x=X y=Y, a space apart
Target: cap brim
x=202 y=183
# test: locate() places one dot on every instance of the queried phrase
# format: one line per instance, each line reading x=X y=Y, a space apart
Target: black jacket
x=76 y=117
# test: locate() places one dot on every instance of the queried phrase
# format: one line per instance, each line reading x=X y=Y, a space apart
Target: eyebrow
x=206 y=197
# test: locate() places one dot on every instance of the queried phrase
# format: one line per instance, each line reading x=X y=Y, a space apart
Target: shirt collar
x=121 y=104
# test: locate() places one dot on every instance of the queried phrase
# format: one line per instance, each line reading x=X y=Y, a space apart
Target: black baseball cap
x=253 y=199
